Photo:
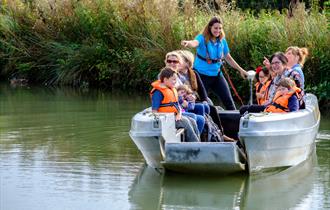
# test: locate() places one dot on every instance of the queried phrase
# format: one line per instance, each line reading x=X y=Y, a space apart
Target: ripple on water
x=323 y=135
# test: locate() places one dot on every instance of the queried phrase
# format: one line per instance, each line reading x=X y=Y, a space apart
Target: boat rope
x=231 y=84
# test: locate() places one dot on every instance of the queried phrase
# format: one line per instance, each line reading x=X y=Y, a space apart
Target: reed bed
x=121 y=44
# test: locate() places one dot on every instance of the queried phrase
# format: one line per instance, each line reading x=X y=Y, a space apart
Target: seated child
x=187 y=103
x=263 y=78
x=286 y=97
x=164 y=98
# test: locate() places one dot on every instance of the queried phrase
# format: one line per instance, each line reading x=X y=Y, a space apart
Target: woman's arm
x=233 y=64
x=190 y=43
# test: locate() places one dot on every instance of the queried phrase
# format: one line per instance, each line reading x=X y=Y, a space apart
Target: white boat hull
x=280 y=140
x=270 y=141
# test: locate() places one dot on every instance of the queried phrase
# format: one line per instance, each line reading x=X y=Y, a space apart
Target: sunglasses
x=172 y=61
x=276 y=63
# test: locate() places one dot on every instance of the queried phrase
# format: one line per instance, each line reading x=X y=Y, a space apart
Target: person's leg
x=200 y=123
x=199 y=109
x=251 y=108
x=193 y=118
x=215 y=116
x=244 y=109
x=193 y=122
x=207 y=81
x=206 y=108
x=222 y=90
x=186 y=123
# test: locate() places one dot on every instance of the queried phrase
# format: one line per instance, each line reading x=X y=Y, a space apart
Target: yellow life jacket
x=170 y=101
x=280 y=102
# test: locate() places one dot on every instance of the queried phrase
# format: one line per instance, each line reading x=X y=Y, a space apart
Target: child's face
x=262 y=77
x=171 y=81
x=283 y=90
x=182 y=93
x=190 y=97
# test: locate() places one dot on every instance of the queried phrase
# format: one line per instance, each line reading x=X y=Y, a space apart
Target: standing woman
x=212 y=47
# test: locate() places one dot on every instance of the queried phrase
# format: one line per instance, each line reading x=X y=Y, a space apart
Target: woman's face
x=183 y=68
x=172 y=62
x=277 y=66
x=292 y=59
x=216 y=29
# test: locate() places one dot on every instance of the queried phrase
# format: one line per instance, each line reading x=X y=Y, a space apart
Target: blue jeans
x=201 y=109
x=219 y=86
x=198 y=118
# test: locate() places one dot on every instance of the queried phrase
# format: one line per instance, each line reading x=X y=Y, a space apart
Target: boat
x=266 y=141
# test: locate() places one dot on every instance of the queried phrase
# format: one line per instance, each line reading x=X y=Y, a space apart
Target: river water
x=69 y=149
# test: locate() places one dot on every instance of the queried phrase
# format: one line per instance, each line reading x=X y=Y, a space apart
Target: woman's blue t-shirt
x=216 y=50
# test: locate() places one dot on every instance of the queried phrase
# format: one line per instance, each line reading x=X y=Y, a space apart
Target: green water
x=69 y=149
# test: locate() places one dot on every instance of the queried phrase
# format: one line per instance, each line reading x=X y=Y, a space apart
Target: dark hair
x=265 y=71
x=207 y=30
x=281 y=56
x=166 y=72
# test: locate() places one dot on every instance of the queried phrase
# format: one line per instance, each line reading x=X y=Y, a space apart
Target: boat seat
x=180 y=133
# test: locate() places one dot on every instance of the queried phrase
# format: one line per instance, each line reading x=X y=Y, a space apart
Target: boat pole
x=250 y=77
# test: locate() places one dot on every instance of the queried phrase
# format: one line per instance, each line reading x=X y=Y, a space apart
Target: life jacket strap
x=279 y=106
x=175 y=104
x=208 y=60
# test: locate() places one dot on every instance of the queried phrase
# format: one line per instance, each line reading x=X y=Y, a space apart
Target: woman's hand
x=266 y=63
x=189 y=43
x=185 y=43
x=243 y=73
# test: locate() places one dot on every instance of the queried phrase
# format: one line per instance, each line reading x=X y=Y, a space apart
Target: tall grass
x=121 y=44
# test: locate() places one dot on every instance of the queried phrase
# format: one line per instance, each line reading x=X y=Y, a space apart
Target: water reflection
x=285 y=189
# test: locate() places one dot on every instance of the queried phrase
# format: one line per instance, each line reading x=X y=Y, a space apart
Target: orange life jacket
x=263 y=88
x=170 y=100
x=280 y=102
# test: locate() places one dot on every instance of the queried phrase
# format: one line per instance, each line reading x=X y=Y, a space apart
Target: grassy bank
x=117 y=44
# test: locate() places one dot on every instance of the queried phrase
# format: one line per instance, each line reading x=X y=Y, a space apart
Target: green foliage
x=121 y=44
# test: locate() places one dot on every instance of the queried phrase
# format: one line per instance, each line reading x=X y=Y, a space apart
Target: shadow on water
x=152 y=190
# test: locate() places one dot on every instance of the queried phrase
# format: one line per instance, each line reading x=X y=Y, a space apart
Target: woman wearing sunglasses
x=212 y=47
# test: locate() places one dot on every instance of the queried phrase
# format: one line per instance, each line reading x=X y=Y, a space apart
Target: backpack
x=211 y=132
